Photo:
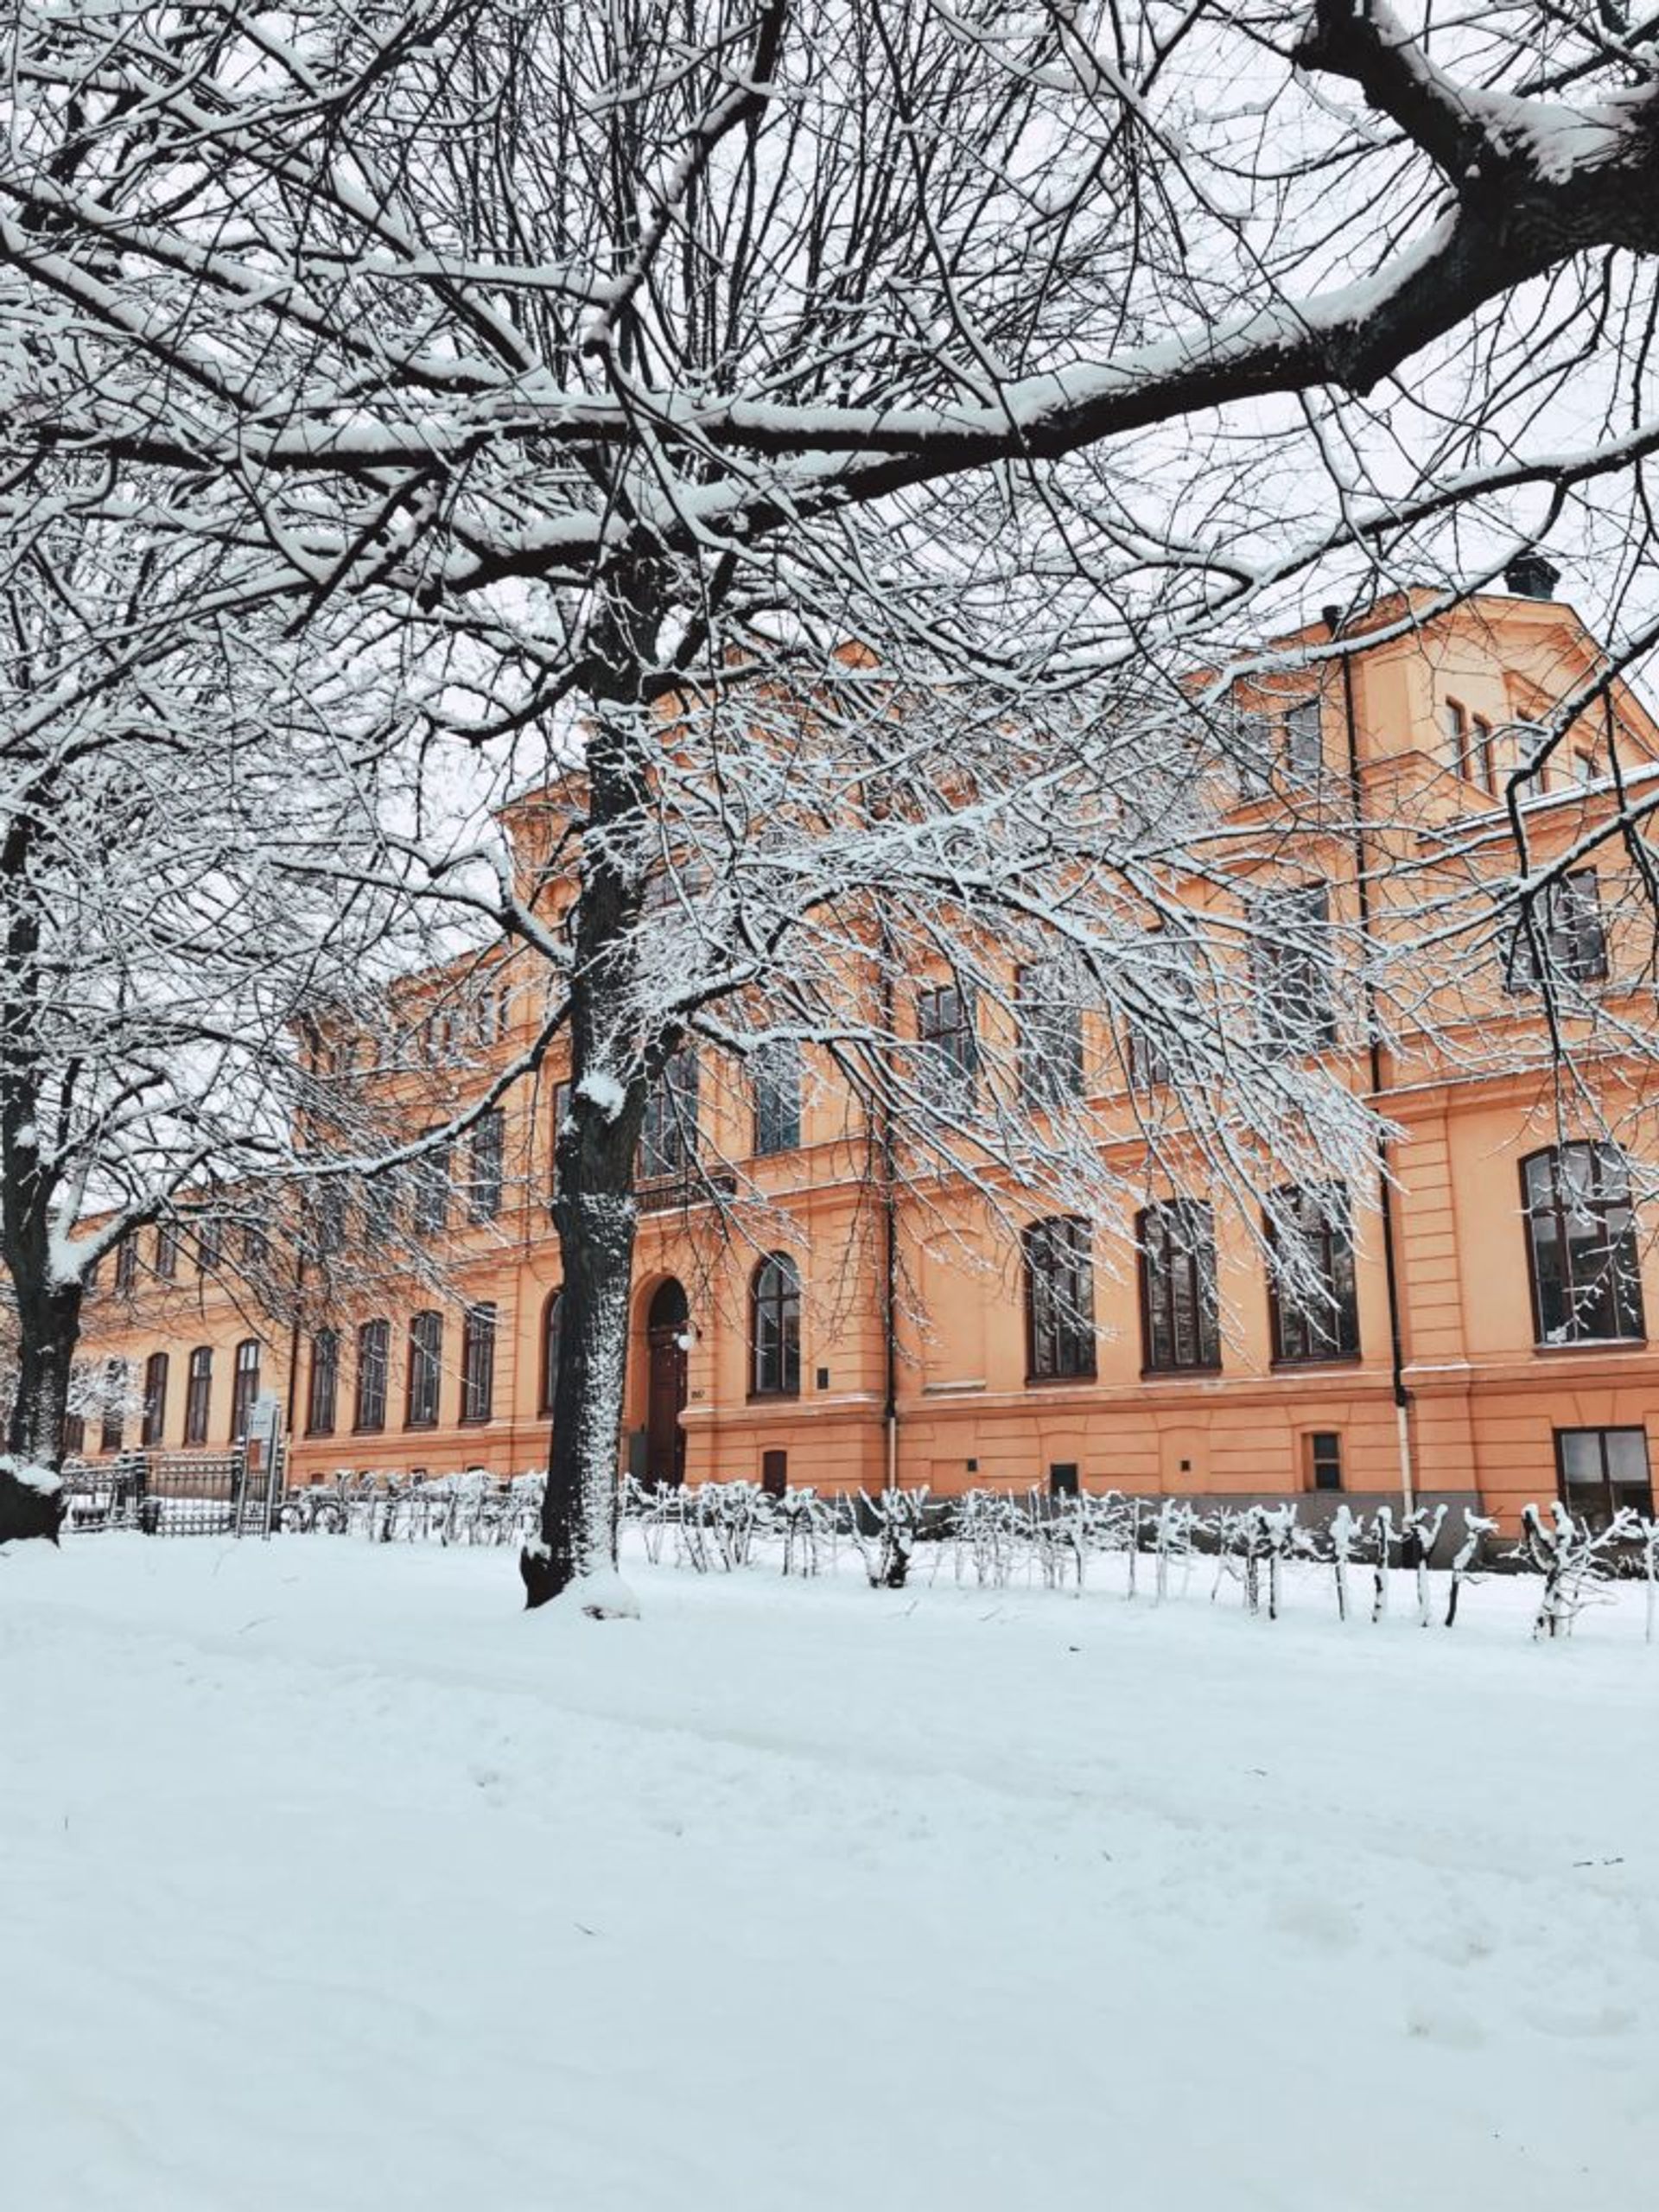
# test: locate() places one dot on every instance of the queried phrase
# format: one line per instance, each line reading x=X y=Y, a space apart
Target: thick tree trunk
x=48 y=1328
x=595 y=1227
x=612 y=1060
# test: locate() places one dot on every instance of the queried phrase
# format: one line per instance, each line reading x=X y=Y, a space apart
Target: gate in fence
x=235 y=1493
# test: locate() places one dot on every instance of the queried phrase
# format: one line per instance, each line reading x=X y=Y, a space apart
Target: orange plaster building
x=1484 y=1340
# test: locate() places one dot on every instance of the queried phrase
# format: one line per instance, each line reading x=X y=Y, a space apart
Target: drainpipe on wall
x=1374 y=1047
x=890 y=1233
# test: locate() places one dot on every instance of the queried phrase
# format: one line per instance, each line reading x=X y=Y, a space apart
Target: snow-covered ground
x=332 y=1883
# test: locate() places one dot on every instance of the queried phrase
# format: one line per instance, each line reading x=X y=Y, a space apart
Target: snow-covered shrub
x=808 y=1527
x=885 y=1534
x=1419 y=1533
x=1574 y=1558
x=1171 y=1540
x=1476 y=1526
x=1343 y=1533
x=1382 y=1539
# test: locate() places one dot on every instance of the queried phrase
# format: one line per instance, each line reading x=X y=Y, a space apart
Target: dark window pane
x=373 y=1363
x=776 y=1069
x=1050 y=1038
x=1561 y=937
x=948 y=1045
x=1312 y=1287
x=478 y=1364
x=325 y=1377
x=425 y=1367
x=489 y=1142
x=1581 y=1236
x=1177 y=1286
x=668 y=1136
x=1294 y=969
x=198 y=1395
x=1059 y=1298
x=775 y=1328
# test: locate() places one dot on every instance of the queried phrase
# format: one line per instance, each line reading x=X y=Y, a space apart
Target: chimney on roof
x=1531 y=576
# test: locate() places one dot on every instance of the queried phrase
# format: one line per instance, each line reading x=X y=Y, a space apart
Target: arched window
x=551 y=1351
x=1587 y=1284
x=245 y=1387
x=374 y=1366
x=154 y=1423
x=1179 y=1325
x=478 y=1364
x=1059 y=1299
x=775 y=1328
x=199 y=1389
x=325 y=1382
x=113 y=1430
x=1313 y=1292
x=425 y=1368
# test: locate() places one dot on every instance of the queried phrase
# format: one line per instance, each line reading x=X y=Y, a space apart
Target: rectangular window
x=153 y=1427
x=374 y=1366
x=430 y=1209
x=1059 y=1299
x=1324 y=1459
x=379 y=1212
x=244 y=1388
x=1457 y=733
x=1481 y=764
x=329 y=1217
x=1586 y=1278
x=1313 y=1291
x=126 y=1263
x=167 y=1250
x=1560 y=936
x=484 y=1187
x=210 y=1242
x=1600 y=1470
x=1063 y=1478
x=775 y=1068
x=1249 y=739
x=1181 y=1329
x=668 y=1136
x=325 y=1382
x=1295 y=973
x=256 y=1242
x=1050 y=1038
x=1166 y=974
x=198 y=1395
x=425 y=1370
x=74 y=1435
x=478 y=1364
x=1303 y=741
x=948 y=1058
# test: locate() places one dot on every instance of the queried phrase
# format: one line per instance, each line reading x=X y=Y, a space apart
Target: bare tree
x=630 y=358
x=165 y=794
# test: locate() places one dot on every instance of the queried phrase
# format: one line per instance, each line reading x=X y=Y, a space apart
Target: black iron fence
x=174 y=1494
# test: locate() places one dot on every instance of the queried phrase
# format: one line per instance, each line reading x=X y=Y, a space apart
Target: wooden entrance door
x=665 y=1328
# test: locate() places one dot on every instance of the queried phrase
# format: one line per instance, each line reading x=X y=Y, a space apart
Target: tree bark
x=593 y=1209
x=48 y=1327
x=48 y=1314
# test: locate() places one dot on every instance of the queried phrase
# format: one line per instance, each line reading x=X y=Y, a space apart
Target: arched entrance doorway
x=666 y=1321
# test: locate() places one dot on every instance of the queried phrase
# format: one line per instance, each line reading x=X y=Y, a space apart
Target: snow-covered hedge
x=1155 y=1548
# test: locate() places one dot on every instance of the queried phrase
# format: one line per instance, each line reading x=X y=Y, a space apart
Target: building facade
x=1483 y=1331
